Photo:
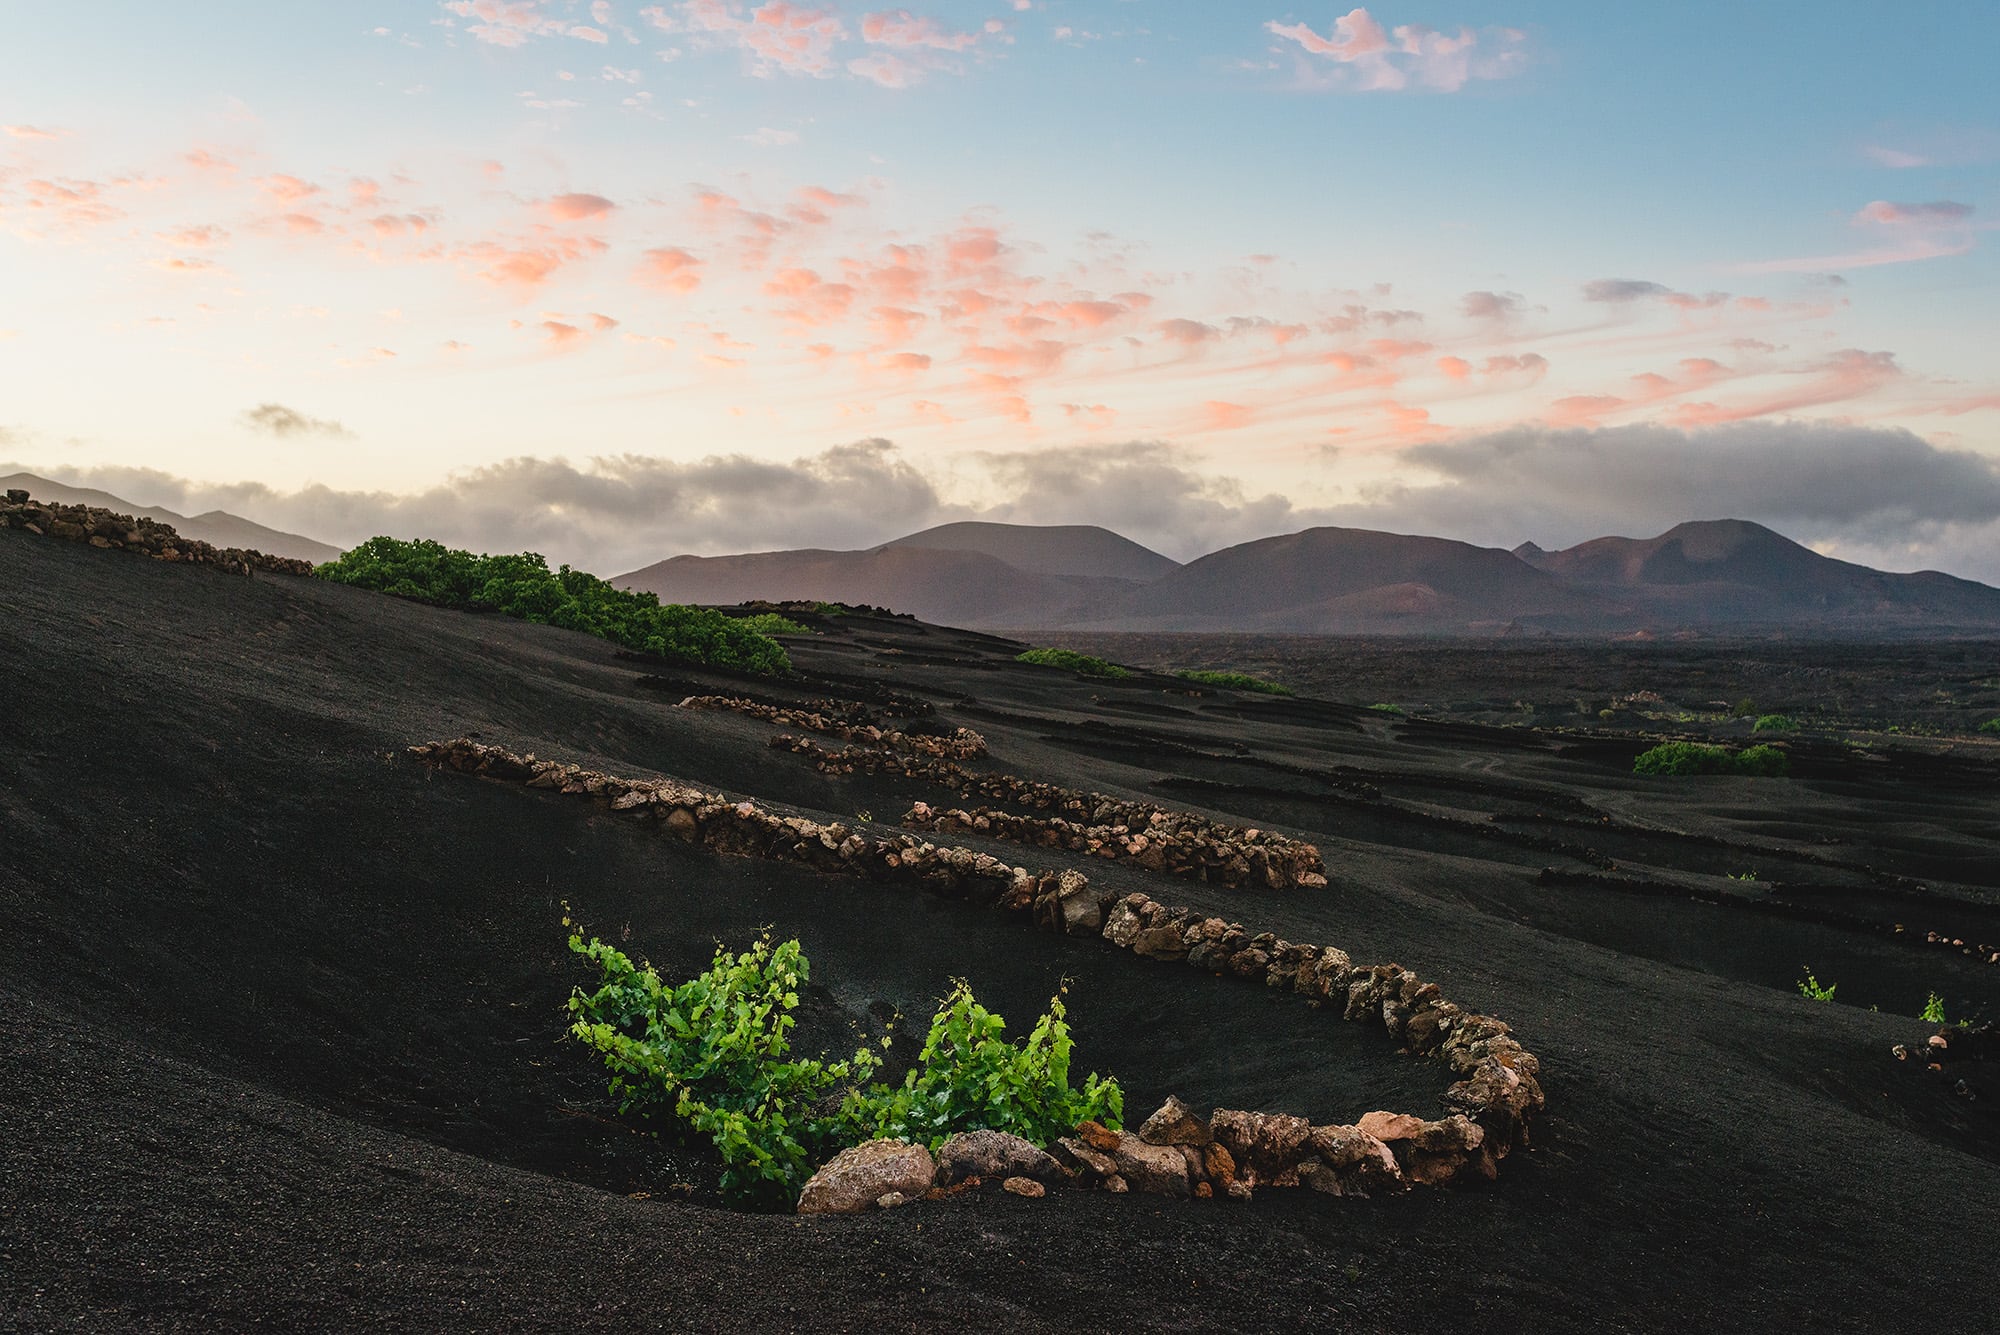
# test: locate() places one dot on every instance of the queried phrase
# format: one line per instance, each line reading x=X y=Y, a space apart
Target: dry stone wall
x=148 y=537
x=962 y=744
x=1175 y=843
x=1489 y=1107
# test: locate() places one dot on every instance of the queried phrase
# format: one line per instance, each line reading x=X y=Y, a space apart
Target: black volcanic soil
x=279 y=1012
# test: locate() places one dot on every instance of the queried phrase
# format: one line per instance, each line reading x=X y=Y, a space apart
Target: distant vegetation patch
x=1075 y=662
x=1235 y=681
x=1775 y=723
x=523 y=586
x=1991 y=725
x=1386 y=708
x=1701 y=758
x=771 y=623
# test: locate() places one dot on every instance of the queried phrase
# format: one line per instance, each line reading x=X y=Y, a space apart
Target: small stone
x=1116 y=1185
x=889 y=1200
x=1024 y=1186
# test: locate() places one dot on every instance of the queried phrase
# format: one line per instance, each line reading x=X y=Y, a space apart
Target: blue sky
x=622 y=280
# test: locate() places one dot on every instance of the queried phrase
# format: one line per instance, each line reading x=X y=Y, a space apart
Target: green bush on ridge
x=1235 y=681
x=1075 y=662
x=523 y=586
x=1701 y=758
x=1775 y=723
x=1991 y=725
x=771 y=623
x=712 y=1053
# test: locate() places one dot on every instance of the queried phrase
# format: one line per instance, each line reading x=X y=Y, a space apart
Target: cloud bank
x=1881 y=496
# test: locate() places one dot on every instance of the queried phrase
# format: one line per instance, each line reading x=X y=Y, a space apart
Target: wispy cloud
x=275 y=419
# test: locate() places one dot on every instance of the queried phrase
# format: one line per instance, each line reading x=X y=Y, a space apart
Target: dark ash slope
x=277 y=1038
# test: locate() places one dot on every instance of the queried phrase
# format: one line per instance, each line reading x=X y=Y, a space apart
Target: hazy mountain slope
x=954 y=587
x=1052 y=549
x=1736 y=571
x=218 y=527
x=1341 y=579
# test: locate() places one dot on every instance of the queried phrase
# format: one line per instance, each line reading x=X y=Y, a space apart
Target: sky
x=615 y=281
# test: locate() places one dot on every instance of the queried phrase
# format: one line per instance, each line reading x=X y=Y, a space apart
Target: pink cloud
x=1942 y=211
x=1188 y=333
x=399 y=224
x=1457 y=368
x=1219 y=415
x=559 y=334
x=505 y=22
x=199 y=237
x=1848 y=374
x=526 y=266
x=807 y=300
x=1369 y=59
x=577 y=207
x=671 y=268
x=31 y=132
x=899 y=27
x=777 y=35
x=282 y=189
x=1928 y=231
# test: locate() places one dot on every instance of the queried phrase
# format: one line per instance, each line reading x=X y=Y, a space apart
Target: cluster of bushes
x=712 y=1055
x=1701 y=758
x=1235 y=681
x=1083 y=664
x=523 y=586
x=1991 y=725
x=1775 y=723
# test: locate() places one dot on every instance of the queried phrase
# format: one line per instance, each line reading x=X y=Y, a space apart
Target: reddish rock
x=1174 y=1124
x=855 y=1179
x=1263 y=1144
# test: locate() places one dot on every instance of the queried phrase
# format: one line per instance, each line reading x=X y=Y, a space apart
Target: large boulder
x=856 y=1179
x=1349 y=1161
x=994 y=1154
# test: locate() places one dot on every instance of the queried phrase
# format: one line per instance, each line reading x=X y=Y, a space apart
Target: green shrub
x=1810 y=989
x=771 y=623
x=1235 y=681
x=1933 y=1011
x=523 y=586
x=1775 y=723
x=1079 y=663
x=712 y=1054
x=1991 y=725
x=970 y=1077
x=1387 y=709
x=1681 y=758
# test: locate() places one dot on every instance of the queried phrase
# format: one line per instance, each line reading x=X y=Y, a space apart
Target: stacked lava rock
x=962 y=744
x=1172 y=842
x=1176 y=843
x=149 y=537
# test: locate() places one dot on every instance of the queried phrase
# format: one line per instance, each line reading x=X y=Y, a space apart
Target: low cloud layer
x=1881 y=496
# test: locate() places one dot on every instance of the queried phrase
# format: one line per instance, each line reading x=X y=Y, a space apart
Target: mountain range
x=1724 y=575
x=1713 y=575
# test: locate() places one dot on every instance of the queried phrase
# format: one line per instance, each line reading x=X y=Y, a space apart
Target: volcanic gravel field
x=281 y=1010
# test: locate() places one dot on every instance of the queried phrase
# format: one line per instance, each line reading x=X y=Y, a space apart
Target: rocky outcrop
x=147 y=537
x=1488 y=1109
x=961 y=744
x=860 y=1178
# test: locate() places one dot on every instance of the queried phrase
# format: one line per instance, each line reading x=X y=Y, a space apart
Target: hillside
x=281 y=1009
x=217 y=527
